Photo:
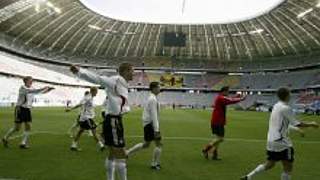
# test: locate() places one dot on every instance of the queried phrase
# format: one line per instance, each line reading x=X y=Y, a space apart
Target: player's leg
x=119 y=157
x=73 y=128
x=26 y=118
x=287 y=170
x=155 y=164
x=26 y=133
x=260 y=168
x=110 y=167
x=18 y=116
x=114 y=139
x=11 y=131
x=96 y=138
x=121 y=166
x=148 y=137
x=287 y=164
x=213 y=145
x=74 y=145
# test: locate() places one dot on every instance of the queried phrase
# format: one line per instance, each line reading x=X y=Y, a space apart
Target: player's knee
x=121 y=164
x=287 y=168
x=269 y=165
x=146 y=145
x=220 y=140
x=109 y=163
x=159 y=144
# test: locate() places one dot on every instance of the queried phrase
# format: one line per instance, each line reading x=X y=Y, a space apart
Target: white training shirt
x=116 y=90
x=281 y=117
x=151 y=112
x=87 y=108
x=26 y=95
x=104 y=105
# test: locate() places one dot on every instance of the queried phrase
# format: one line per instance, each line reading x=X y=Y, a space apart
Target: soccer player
x=279 y=145
x=72 y=130
x=117 y=92
x=218 y=121
x=86 y=117
x=150 y=119
x=23 y=111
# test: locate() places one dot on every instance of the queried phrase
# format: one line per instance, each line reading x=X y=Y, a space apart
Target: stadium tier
x=68 y=31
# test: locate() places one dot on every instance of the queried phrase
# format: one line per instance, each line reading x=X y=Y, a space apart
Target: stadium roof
x=67 y=28
x=182 y=11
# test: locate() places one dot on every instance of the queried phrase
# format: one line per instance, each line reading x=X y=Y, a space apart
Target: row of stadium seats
x=54 y=73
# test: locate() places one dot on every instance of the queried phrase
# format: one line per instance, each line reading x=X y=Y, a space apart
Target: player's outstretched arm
x=48 y=89
x=91 y=76
x=72 y=108
x=309 y=124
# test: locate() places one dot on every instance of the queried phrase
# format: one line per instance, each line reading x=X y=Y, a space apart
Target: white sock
x=25 y=137
x=101 y=144
x=74 y=144
x=135 y=148
x=285 y=176
x=110 y=166
x=156 y=156
x=258 y=169
x=121 y=166
x=9 y=133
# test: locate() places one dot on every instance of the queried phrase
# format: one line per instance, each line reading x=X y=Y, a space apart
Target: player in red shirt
x=218 y=121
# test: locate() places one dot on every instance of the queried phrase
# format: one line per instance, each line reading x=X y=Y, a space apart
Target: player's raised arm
x=91 y=76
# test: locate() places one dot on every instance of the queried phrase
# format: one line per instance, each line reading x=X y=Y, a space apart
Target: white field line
x=177 y=138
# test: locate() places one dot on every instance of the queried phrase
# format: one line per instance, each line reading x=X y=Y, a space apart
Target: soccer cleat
x=24 y=146
x=244 y=178
x=5 y=142
x=75 y=149
x=205 y=154
x=216 y=159
x=156 y=167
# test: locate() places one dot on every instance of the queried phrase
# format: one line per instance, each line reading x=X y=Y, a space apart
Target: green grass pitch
x=184 y=134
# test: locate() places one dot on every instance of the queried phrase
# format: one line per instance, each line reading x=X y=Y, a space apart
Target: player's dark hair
x=224 y=89
x=124 y=67
x=283 y=93
x=93 y=89
x=153 y=85
x=26 y=78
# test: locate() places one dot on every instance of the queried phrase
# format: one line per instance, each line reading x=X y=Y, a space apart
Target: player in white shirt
x=279 y=145
x=86 y=121
x=117 y=105
x=150 y=120
x=75 y=125
x=23 y=111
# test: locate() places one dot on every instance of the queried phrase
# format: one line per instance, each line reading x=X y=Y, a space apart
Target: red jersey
x=220 y=105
